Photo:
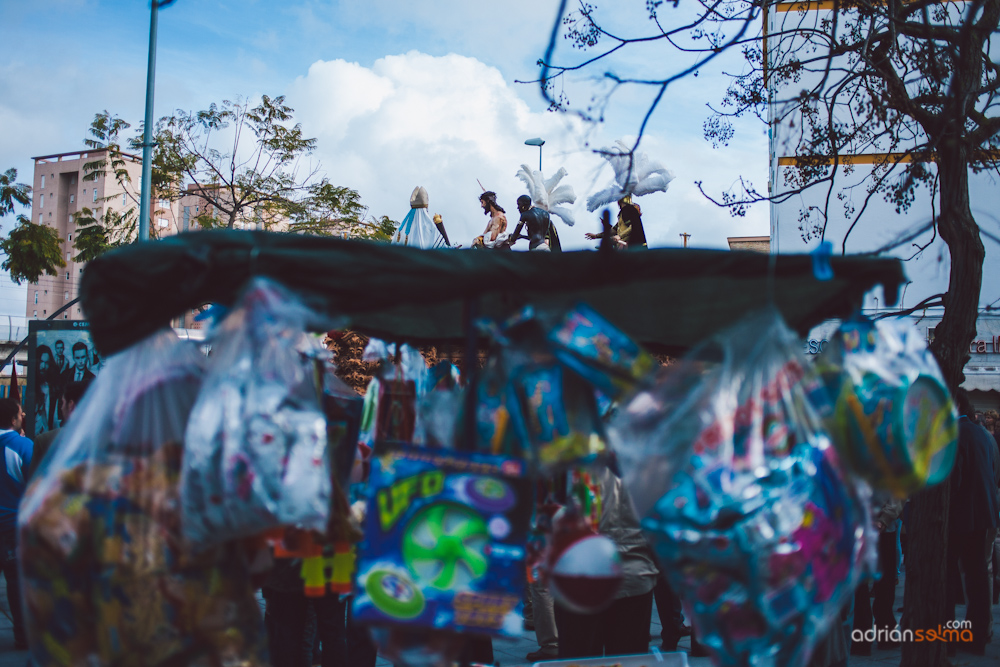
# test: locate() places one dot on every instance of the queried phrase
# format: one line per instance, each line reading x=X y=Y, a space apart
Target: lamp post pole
x=539 y=143
x=147 y=130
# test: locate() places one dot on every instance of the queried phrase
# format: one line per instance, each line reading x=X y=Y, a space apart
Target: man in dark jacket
x=972 y=520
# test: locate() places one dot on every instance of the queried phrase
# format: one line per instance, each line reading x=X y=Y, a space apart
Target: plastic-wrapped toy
x=444 y=542
x=107 y=580
x=742 y=495
x=531 y=405
x=257 y=438
x=894 y=422
x=599 y=352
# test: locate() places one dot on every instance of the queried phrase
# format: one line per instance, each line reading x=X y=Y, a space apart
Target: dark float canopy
x=669 y=299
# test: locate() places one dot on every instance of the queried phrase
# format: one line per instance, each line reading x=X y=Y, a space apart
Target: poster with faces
x=60 y=352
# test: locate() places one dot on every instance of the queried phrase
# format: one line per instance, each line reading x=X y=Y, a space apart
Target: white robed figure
x=417 y=228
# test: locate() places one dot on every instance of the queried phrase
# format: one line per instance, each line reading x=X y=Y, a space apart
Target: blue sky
x=398 y=94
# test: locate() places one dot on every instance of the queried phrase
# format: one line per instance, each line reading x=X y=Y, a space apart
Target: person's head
x=71 y=396
x=488 y=200
x=80 y=354
x=45 y=362
x=523 y=203
x=11 y=414
x=60 y=349
x=964 y=403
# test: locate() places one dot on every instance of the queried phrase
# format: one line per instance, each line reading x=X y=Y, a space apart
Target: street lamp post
x=539 y=143
x=146 y=191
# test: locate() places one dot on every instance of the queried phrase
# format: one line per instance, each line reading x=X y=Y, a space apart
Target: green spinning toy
x=443 y=546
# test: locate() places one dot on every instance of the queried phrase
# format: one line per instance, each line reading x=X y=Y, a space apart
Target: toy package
x=444 y=542
x=893 y=420
x=106 y=578
x=599 y=352
x=257 y=439
x=743 y=497
x=530 y=405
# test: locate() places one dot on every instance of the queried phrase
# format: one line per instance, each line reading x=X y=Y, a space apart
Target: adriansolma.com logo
x=952 y=631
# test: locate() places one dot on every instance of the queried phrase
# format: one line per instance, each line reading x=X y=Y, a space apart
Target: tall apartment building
x=59 y=192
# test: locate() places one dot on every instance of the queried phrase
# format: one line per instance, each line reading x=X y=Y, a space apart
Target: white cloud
x=443 y=122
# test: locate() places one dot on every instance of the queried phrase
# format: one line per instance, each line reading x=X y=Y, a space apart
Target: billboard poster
x=59 y=352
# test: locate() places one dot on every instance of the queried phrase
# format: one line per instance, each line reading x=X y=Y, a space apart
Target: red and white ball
x=585 y=576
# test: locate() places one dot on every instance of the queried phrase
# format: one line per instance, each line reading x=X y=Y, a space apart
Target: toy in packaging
x=257 y=439
x=893 y=420
x=743 y=497
x=106 y=578
x=444 y=542
x=599 y=352
x=530 y=405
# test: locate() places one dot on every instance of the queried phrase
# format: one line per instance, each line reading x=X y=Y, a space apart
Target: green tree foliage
x=95 y=235
x=334 y=210
x=12 y=192
x=243 y=161
x=30 y=249
x=116 y=226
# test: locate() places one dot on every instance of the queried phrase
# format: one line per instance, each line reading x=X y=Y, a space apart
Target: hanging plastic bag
x=894 y=422
x=106 y=578
x=742 y=495
x=257 y=439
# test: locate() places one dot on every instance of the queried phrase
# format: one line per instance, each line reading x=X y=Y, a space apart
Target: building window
x=68 y=256
x=66 y=295
x=95 y=195
x=36 y=297
x=41 y=200
x=124 y=201
x=34 y=314
x=43 y=180
x=67 y=275
x=187 y=218
x=85 y=192
x=72 y=198
x=41 y=218
x=80 y=270
x=162 y=222
x=70 y=237
x=72 y=179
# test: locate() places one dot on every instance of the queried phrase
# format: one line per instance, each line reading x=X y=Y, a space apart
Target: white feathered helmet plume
x=548 y=194
x=635 y=175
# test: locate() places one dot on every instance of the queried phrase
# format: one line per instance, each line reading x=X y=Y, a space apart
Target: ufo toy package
x=893 y=420
x=444 y=542
x=743 y=497
x=257 y=441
